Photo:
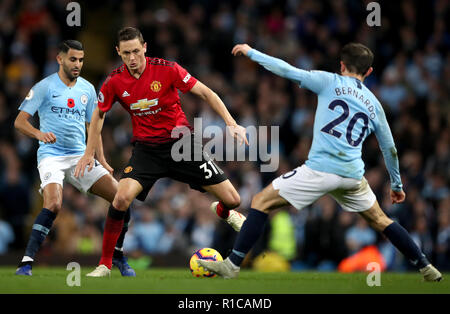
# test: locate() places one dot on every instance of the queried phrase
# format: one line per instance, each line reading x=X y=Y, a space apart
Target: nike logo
x=54 y=96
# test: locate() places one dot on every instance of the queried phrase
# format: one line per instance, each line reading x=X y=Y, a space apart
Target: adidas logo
x=125 y=94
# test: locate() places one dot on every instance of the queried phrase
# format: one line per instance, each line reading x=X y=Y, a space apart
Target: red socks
x=113 y=228
x=222 y=211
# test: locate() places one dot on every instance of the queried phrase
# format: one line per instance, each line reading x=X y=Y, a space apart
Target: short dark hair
x=129 y=33
x=70 y=44
x=357 y=58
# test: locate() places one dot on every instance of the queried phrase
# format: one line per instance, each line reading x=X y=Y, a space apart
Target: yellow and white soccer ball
x=205 y=254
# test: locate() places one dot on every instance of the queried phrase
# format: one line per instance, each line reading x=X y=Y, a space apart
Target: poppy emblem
x=70 y=103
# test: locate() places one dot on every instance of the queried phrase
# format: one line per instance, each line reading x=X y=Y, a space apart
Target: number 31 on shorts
x=208 y=172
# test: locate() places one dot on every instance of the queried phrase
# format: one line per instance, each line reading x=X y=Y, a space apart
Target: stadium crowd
x=411 y=79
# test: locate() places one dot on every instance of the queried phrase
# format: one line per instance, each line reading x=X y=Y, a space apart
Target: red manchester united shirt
x=152 y=100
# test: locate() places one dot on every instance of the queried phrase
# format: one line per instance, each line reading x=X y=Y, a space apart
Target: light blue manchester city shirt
x=347 y=112
x=64 y=111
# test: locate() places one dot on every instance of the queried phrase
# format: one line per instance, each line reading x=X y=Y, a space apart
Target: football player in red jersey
x=148 y=89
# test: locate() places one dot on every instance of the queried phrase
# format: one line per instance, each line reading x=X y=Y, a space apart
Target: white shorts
x=62 y=168
x=303 y=186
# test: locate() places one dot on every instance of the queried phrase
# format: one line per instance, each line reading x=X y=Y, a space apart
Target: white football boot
x=225 y=269
x=100 y=271
x=235 y=219
x=430 y=273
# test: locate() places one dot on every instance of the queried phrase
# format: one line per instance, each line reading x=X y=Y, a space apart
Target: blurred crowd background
x=411 y=78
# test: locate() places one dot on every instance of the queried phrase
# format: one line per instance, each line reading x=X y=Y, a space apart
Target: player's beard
x=69 y=74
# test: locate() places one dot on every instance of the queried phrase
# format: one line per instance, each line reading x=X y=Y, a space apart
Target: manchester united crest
x=128 y=169
x=155 y=86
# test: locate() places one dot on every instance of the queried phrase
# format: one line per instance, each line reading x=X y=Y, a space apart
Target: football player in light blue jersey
x=64 y=102
x=347 y=112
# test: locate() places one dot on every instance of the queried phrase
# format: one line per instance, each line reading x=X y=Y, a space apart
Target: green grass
x=180 y=281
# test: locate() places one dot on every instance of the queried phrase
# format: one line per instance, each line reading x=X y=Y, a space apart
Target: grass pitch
x=52 y=280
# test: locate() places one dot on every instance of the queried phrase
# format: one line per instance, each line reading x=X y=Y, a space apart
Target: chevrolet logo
x=144 y=104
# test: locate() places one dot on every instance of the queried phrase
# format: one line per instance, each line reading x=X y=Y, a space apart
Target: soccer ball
x=206 y=254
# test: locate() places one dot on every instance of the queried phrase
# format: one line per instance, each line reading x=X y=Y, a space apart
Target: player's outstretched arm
x=23 y=124
x=95 y=129
x=315 y=81
x=272 y=64
x=219 y=107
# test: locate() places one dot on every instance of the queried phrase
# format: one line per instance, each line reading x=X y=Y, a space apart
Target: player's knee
x=121 y=201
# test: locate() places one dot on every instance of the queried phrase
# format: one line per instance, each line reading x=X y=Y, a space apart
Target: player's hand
x=397 y=197
x=106 y=166
x=85 y=161
x=47 y=138
x=241 y=49
x=239 y=133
